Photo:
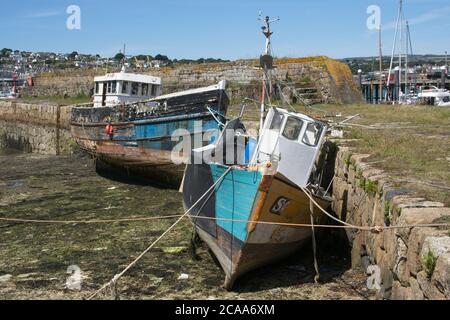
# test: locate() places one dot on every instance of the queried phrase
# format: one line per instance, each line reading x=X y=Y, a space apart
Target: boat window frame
x=144 y=92
x=113 y=87
x=125 y=87
x=301 y=121
x=97 y=87
x=134 y=85
x=317 y=137
x=154 y=90
x=281 y=121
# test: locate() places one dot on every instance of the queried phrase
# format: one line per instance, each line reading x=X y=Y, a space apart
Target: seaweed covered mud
x=41 y=260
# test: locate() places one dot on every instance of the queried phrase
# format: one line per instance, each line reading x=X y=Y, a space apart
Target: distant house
x=16 y=56
x=140 y=64
x=158 y=63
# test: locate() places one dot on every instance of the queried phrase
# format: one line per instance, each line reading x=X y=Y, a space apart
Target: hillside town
x=18 y=68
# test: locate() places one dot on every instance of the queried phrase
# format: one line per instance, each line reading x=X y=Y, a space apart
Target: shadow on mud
x=124 y=176
x=333 y=257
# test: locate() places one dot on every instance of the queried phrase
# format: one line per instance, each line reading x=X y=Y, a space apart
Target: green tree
x=119 y=56
x=144 y=57
x=161 y=57
x=73 y=55
x=5 y=52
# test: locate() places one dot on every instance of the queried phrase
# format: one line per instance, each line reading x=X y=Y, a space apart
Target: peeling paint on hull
x=261 y=244
x=144 y=146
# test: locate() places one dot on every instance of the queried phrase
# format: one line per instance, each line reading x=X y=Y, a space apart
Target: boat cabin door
x=268 y=148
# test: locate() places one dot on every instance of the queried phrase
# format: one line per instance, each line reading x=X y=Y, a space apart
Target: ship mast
x=266 y=63
x=380 y=49
x=403 y=45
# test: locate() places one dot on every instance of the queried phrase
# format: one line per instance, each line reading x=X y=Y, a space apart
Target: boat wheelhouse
x=136 y=130
x=122 y=87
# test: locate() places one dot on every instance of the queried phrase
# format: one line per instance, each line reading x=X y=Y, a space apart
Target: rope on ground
x=301 y=225
x=94 y=221
x=117 y=276
x=371 y=127
x=314 y=244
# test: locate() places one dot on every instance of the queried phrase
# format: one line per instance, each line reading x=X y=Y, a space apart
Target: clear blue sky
x=221 y=29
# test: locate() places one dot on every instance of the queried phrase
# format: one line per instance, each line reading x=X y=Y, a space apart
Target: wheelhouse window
x=97 y=87
x=312 y=134
x=134 y=88
x=113 y=86
x=292 y=128
x=154 y=90
x=125 y=87
x=145 y=89
x=277 y=121
x=108 y=87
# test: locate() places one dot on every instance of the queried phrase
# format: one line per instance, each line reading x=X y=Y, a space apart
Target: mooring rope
x=94 y=221
x=302 y=225
x=305 y=191
x=314 y=243
x=117 y=276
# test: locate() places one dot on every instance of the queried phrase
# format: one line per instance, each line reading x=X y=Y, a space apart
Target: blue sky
x=221 y=29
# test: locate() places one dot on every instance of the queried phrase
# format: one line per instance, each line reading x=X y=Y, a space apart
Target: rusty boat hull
x=226 y=220
x=142 y=144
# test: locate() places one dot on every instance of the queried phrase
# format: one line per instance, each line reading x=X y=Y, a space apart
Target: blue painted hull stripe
x=234 y=198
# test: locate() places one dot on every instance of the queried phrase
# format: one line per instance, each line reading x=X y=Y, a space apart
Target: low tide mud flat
x=35 y=258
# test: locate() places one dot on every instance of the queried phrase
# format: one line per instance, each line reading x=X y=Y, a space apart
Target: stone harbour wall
x=411 y=263
x=330 y=81
x=65 y=85
x=43 y=129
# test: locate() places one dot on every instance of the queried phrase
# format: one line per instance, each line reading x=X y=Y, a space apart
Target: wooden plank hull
x=246 y=195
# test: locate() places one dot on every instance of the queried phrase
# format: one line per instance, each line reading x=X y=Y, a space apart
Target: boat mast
x=267 y=64
x=406 y=58
x=446 y=67
x=400 y=53
x=411 y=52
x=380 y=96
x=394 y=45
x=446 y=61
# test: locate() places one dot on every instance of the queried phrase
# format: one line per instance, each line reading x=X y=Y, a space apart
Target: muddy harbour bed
x=35 y=258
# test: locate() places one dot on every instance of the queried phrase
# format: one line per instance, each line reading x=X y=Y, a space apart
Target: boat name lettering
x=279 y=205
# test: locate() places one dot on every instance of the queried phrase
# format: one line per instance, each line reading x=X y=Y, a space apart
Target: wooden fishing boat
x=267 y=185
x=139 y=136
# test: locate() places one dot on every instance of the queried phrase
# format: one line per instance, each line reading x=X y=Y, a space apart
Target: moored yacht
x=434 y=96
